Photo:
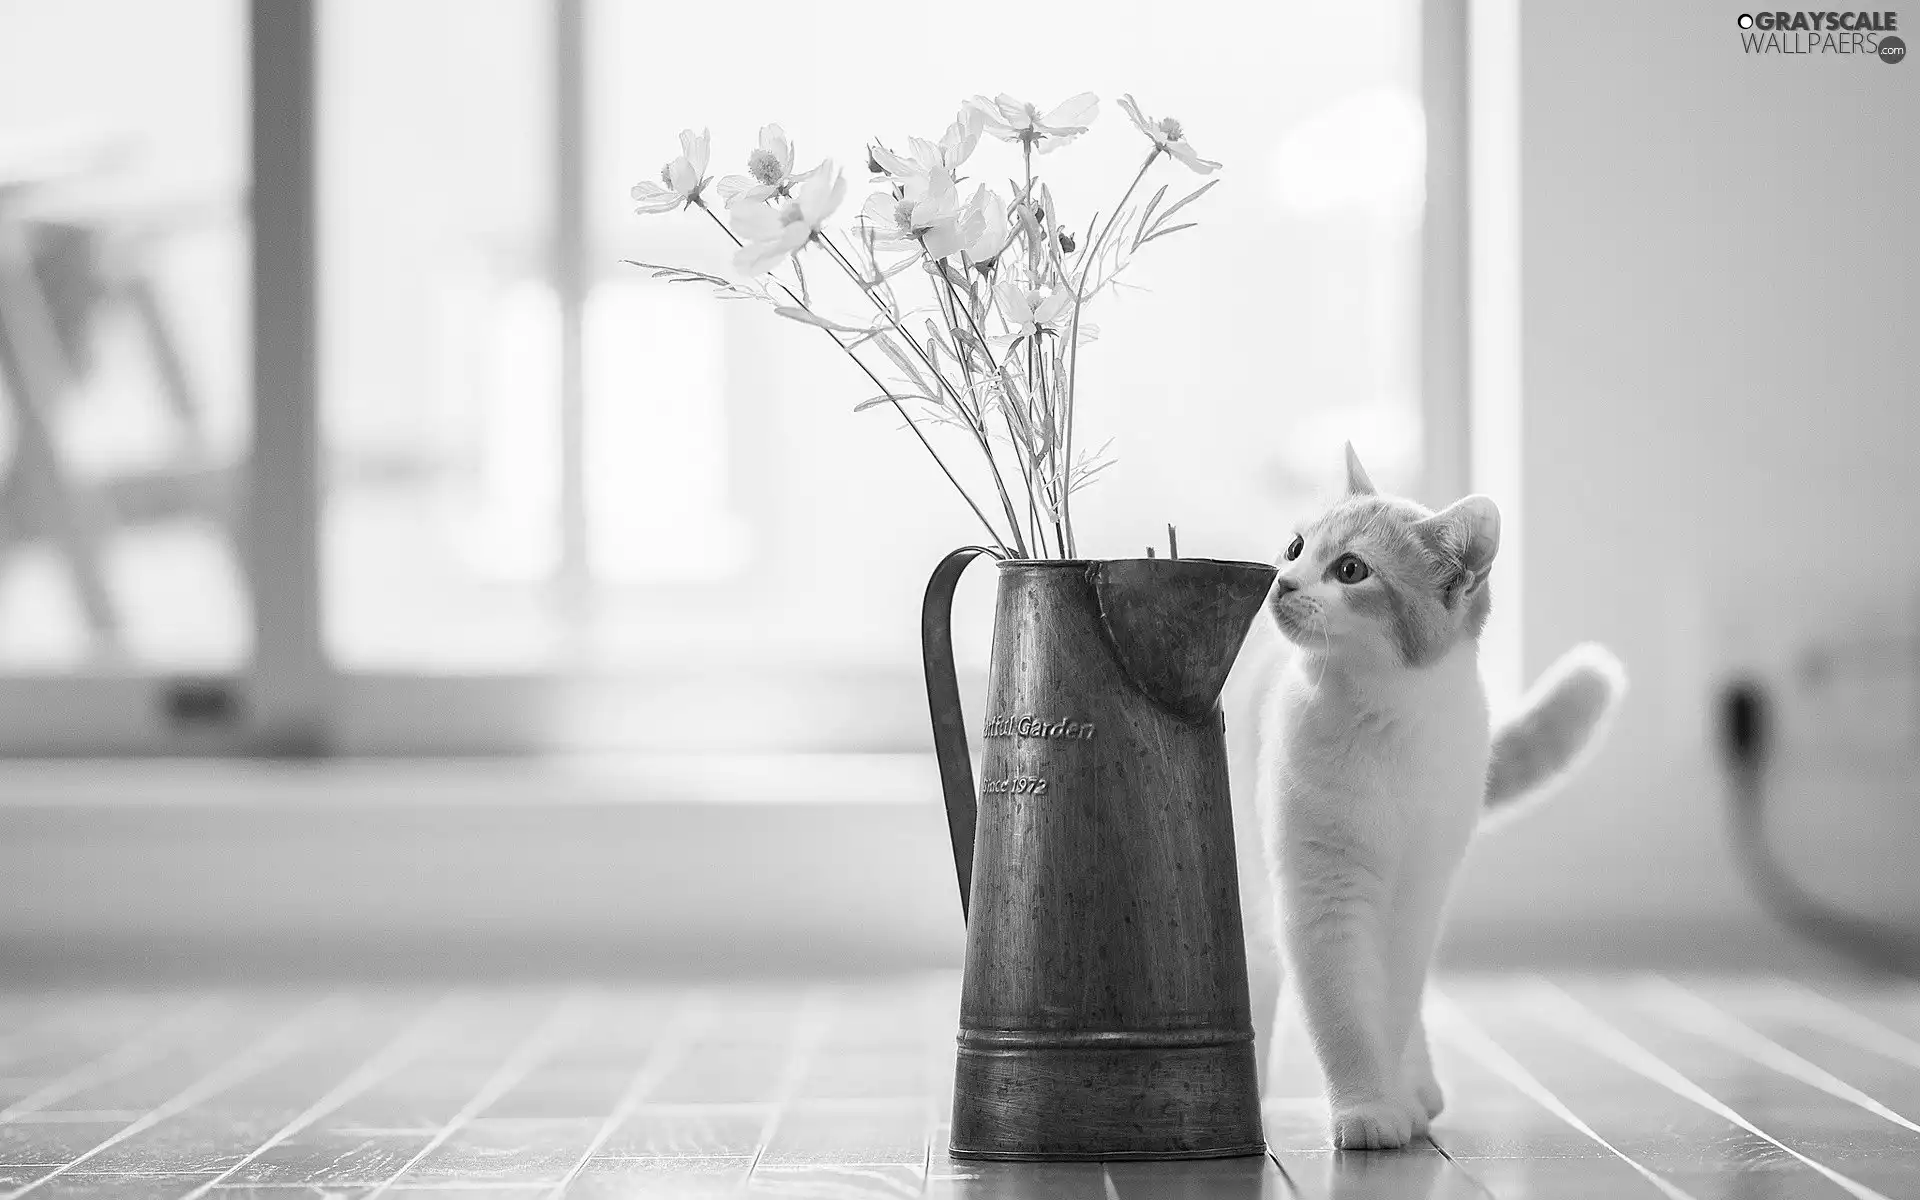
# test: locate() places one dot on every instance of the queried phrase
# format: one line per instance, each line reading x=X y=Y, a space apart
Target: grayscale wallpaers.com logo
x=1868 y=34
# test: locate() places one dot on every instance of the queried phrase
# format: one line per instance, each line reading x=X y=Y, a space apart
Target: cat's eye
x=1350 y=569
x=1295 y=547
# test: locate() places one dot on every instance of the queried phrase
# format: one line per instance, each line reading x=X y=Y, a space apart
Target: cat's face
x=1381 y=580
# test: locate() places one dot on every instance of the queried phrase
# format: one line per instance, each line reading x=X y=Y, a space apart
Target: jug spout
x=1176 y=624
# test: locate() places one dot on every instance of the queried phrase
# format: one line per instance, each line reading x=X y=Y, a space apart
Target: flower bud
x=1066 y=242
x=873 y=164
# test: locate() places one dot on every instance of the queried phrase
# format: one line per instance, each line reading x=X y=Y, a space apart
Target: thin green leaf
x=1165 y=232
x=805 y=317
x=1198 y=192
x=1147 y=213
x=904 y=361
x=900 y=267
x=679 y=274
x=875 y=401
x=800 y=274
x=1088 y=474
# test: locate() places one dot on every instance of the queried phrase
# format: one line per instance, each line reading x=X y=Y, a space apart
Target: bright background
x=1692 y=295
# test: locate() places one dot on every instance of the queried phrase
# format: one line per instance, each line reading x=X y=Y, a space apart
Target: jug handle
x=943 y=704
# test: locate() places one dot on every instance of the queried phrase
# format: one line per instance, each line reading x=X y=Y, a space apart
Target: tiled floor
x=1602 y=1087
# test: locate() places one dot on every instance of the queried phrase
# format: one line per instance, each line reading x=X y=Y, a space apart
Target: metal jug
x=1104 y=1010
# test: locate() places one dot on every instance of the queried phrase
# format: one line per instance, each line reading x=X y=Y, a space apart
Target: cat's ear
x=1466 y=536
x=1357 y=482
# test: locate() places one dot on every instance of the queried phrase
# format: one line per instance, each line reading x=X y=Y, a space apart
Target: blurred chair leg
x=209 y=488
x=176 y=386
x=31 y=368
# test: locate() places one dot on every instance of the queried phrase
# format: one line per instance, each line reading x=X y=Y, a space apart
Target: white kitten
x=1378 y=762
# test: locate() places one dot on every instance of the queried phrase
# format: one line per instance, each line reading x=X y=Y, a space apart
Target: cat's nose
x=1283 y=586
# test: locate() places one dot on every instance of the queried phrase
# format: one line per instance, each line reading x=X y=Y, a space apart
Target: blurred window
x=734 y=507
x=705 y=504
x=123 y=310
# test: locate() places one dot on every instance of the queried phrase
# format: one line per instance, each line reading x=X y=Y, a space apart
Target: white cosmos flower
x=769 y=171
x=924 y=157
x=1168 y=135
x=1030 y=313
x=989 y=232
x=1013 y=120
x=772 y=232
x=681 y=181
x=923 y=210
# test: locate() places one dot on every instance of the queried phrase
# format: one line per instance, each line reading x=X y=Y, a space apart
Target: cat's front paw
x=1372 y=1125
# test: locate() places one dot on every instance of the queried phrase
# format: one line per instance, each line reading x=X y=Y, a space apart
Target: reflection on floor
x=1604 y=1087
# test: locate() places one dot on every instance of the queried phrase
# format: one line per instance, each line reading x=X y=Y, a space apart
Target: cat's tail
x=1559 y=720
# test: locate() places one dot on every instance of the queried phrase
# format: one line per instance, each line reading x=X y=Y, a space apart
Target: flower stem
x=1073 y=335
x=973 y=418
x=977 y=418
x=888 y=393
x=1020 y=459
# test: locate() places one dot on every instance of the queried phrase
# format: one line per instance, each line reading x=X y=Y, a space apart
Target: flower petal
x=1013 y=303
x=773 y=140
x=892 y=163
x=1048 y=311
x=991 y=120
x=664 y=201
x=822 y=193
x=1186 y=154
x=944 y=239
x=754 y=222
x=1140 y=122
x=1012 y=111
x=759 y=256
x=694 y=149
x=925 y=153
x=1074 y=111
x=879 y=209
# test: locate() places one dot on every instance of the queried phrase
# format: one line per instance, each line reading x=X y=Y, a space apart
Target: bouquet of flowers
x=989 y=342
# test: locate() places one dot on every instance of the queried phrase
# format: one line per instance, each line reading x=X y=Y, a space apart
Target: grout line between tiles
x=938 y=1063
x=250 y=1061
x=1468 y=1036
x=811 y=1028
x=1572 y=1017
x=1817 y=1010
x=1702 y=1017
x=381 y=1064
x=519 y=1062
x=144 y=1047
x=22 y=1041
x=660 y=1060
x=1455 y=1165
x=1286 y=1180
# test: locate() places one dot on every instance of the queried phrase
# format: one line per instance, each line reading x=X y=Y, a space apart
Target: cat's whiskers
x=1326 y=643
